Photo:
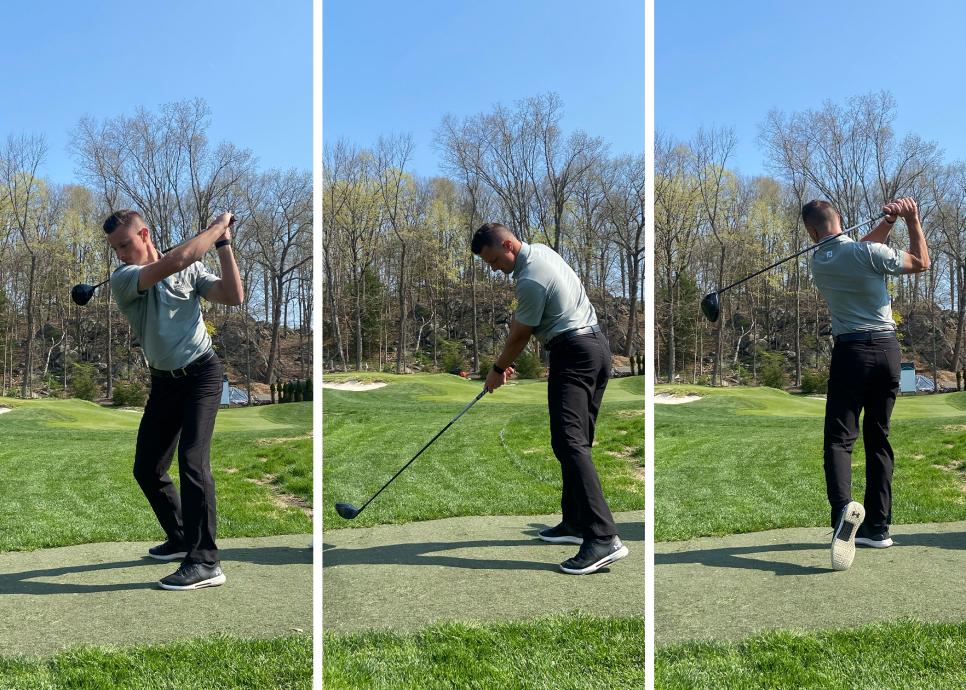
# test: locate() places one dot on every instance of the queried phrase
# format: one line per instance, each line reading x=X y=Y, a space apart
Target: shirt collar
x=523 y=257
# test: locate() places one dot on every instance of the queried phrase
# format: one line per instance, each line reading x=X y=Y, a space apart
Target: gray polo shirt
x=166 y=318
x=549 y=294
x=852 y=278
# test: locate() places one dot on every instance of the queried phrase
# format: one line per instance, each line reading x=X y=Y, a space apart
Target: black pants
x=180 y=413
x=579 y=370
x=863 y=375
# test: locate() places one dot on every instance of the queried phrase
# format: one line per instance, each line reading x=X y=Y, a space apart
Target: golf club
x=82 y=293
x=349 y=511
x=711 y=306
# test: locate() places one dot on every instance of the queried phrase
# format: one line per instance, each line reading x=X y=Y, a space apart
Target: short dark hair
x=488 y=235
x=818 y=214
x=120 y=219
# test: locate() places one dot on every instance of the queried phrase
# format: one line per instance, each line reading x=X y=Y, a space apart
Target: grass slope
x=496 y=460
x=223 y=662
x=66 y=473
x=559 y=653
x=904 y=654
x=722 y=460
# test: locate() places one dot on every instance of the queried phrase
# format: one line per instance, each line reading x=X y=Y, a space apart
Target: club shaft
x=807 y=249
x=452 y=421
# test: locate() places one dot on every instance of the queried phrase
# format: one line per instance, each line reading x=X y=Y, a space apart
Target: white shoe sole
x=843 y=540
x=874 y=543
x=594 y=567
x=210 y=582
x=561 y=540
x=178 y=555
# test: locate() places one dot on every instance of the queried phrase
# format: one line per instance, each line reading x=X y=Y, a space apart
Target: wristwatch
x=222 y=243
x=498 y=369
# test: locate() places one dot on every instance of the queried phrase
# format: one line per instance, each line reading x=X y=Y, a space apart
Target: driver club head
x=710 y=307
x=346 y=510
x=81 y=294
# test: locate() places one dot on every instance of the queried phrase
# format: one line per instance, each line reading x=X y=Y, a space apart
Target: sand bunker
x=5 y=409
x=668 y=399
x=354 y=385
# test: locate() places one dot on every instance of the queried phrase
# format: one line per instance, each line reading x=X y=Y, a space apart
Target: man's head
x=497 y=246
x=821 y=219
x=129 y=237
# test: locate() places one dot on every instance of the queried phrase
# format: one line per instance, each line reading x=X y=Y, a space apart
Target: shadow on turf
x=732 y=557
x=26 y=582
x=424 y=553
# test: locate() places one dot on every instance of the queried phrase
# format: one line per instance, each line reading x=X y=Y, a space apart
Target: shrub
x=486 y=364
x=529 y=366
x=82 y=382
x=129 y=394
x=772 y=370
x=453 y=359
x=815 y=381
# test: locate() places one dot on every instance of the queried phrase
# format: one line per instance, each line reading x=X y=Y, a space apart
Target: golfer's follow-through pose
x=553 y=307
x=864 y=372
x=159 y=294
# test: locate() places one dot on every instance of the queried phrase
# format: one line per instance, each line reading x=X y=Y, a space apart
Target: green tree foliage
x=129 y=393
x=82 y=382
x=529 y=366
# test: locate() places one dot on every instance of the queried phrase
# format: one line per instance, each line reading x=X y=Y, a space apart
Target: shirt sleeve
x=531 y=300
x=202 y=278
x=124 y=284
x=885 y=259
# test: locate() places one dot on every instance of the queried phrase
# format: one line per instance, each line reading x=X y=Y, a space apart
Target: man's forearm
x=514 y=346
x=917 y=241
x=193 y=249
x=229 y=274
x=880 y=233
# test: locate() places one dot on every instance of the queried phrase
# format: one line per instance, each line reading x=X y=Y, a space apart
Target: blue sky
x=391 y=67
x=252 y=62
x=728 y=64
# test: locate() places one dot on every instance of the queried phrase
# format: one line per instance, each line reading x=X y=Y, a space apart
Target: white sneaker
x=843 y=539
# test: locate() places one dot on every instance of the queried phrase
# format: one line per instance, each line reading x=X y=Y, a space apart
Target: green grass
x=559 y=653
x=720 y=459
x=903 y=654
x=496 y=460
x=222 y=662
x=66 y=473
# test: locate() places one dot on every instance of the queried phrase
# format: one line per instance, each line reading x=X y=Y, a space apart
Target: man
x=553 y=307
x=864 y=373
x=159 y=294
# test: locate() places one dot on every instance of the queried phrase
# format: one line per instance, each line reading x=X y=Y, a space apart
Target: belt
x=864 y=336
x=573 y=333
x=186 y=370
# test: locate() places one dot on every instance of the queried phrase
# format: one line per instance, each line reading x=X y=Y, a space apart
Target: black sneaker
x=594 y=555
x=561 y=534
x=168 y=551
x=194 y=576
x=875 y=539
x=843 y=539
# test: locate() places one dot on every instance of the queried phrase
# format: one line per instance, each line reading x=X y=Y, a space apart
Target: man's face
x=499 y=257
x=130 y=244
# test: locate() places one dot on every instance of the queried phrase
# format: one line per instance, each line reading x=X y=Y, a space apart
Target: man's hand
x=905 y=207
x=495 y=379
x=225 y=220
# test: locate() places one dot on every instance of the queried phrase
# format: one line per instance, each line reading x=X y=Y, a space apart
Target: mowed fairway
x=66 y=474
x=720 y=459
x=66 y=481
x=741 y=607
x=440 y=582
x=496 y=460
